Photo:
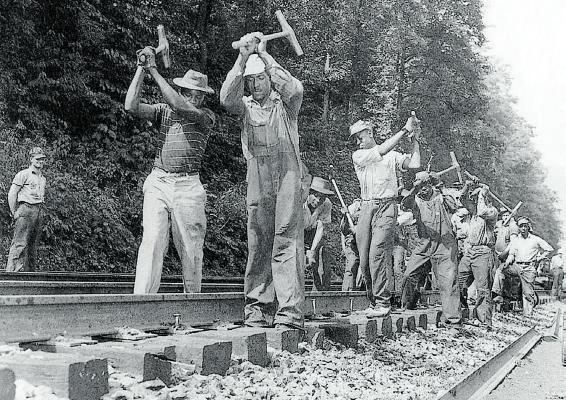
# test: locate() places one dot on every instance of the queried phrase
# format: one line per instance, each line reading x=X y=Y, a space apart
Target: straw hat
x=321 y=185
x=359 y=126
x=194 y=80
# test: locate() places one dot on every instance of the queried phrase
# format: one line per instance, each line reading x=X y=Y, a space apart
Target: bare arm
x=318 y=235
x=390 y=143
x=132 y=103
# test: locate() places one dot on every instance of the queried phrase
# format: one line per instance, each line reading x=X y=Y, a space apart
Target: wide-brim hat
x=194 y=80
x=358 y=127
x=37 y=152
x=321 y=185
x=524 y=220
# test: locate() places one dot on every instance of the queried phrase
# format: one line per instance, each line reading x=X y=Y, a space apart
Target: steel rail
x=33 y=318
x=479 y=383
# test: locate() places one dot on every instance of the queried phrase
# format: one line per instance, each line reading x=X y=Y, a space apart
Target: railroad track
x=35 y=322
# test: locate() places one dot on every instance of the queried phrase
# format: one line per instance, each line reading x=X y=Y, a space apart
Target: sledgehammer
x=286 y=31
x=162 y=47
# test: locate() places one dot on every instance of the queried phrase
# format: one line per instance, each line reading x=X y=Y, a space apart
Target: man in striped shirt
x=174 y=197
x=376 y=167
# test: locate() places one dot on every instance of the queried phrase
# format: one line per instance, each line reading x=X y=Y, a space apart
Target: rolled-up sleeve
x=232 y=92
x=289 y=88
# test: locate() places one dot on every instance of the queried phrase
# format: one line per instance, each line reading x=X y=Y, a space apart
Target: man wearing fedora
x=174 y=197
x=274 y=278
x=432 y=209
x=376 y=167
x=25 y=199
x=317 y=212
x=524 y=252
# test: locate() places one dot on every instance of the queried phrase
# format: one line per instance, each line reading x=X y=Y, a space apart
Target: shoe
x=498 y=299
x=284 y=326
x=257 y=324
x=377 y=312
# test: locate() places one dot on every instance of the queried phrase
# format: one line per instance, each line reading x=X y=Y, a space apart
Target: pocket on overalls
x=262 y=135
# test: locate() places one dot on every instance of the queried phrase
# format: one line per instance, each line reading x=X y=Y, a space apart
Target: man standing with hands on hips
x=274 y=278
x=25 y=199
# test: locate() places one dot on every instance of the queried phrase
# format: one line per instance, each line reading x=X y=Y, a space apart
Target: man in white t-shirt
x=376 y=167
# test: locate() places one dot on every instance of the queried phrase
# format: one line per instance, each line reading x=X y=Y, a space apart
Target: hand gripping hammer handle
x=348 y=215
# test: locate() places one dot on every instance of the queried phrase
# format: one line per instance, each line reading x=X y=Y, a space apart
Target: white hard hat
x=254 y=65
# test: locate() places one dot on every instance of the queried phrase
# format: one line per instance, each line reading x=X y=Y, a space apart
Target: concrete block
x=171 y=373
x=314 y=336
x=69 y=375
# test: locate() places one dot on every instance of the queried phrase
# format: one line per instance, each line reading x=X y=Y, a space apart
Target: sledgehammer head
x=290 y=33
x=163 y=46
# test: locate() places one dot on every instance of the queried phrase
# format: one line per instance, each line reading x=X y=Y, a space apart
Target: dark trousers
x=27 y=231
x=558 y=277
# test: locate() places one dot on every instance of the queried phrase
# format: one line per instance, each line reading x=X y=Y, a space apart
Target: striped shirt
x=182 y=142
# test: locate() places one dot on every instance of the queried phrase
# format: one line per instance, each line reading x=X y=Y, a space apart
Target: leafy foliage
x=67 y=66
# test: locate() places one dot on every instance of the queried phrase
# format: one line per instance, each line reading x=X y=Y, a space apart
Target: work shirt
x=503 y=234
x=271 y=127
x=527 y=249
x=378 y=174
x=481 y=225
x=433 y=215
x=557 y=262
x=322 y=213
x=32 y=186
x=182 y=141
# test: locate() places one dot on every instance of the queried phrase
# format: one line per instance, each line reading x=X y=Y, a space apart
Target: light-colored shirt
x=377 y=174
x=503 y=234
x=557 y=262
x=322 y=213
x=529 y=248
x=182 y=142
x=481 y=225
x=272 y=125
x=32 y=186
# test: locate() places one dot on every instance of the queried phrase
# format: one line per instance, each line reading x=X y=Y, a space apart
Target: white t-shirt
x=378 y=174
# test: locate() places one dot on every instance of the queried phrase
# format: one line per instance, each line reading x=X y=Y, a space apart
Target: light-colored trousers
x=274 y=282
x=171 y=202
x=476 y=265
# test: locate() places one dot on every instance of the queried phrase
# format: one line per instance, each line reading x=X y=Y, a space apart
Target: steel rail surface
x=478 y=384
x=35 y=318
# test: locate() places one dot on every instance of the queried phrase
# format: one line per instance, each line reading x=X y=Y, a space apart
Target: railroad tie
x=69 y=375
x=247 y=343
x=339 y=331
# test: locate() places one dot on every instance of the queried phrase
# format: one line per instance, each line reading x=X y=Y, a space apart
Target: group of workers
x=450 y=231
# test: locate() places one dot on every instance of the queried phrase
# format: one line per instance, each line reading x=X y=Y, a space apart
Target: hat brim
x=39 y=156
x=323 y=191
x=181 y=83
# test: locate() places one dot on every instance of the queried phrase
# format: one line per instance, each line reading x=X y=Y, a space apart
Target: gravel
x=416 y=365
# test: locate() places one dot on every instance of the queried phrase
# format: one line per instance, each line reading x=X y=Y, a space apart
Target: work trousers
x=557 y=279
x=527 y=272
x=352 y=272
x=176 y=203
x=28 y=220
x=374 y=235
x=476 y=265
x=397 y=271
x=321 y=272
x=442 y=256
x=274 y=280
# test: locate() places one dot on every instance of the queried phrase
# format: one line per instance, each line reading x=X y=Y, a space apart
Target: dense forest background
x=66 y=66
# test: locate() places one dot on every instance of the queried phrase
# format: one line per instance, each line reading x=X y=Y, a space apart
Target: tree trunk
x=204 y=10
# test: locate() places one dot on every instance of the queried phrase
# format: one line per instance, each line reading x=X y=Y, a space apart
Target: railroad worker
x=477 y=261
x=524 y=252
x=504 y=233
x=405 y=222
x=174 y=197
x=376 y=167
x=25 y=199
x=352 y=274
x=274 y=278
x=432 y=209
x=557 y=272
x=317 y=211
